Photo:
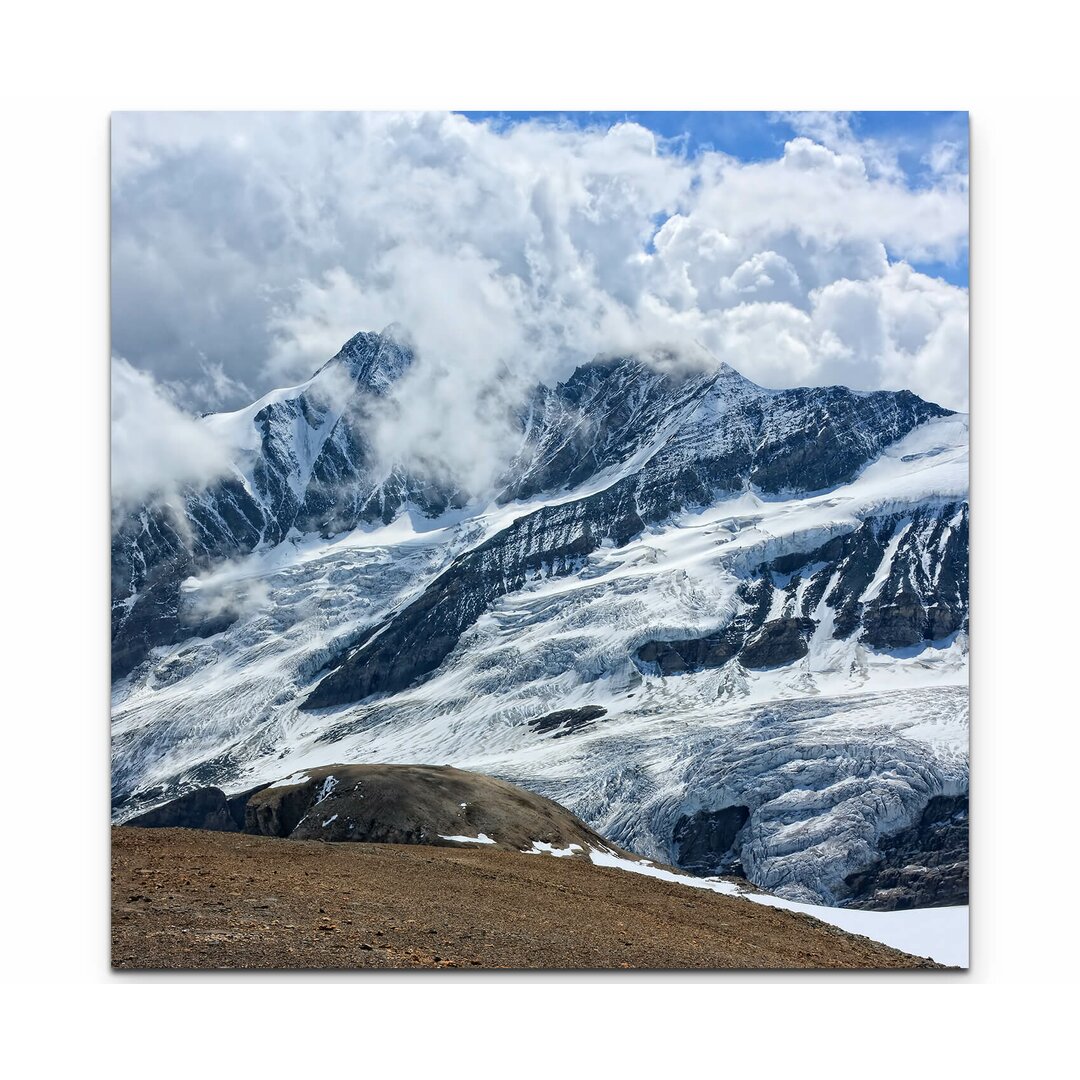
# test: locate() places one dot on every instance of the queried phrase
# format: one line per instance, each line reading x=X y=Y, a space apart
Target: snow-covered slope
x=766 y=591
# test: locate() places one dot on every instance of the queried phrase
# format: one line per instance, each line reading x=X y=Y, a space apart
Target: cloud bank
x=157 y=447
x=247 y=248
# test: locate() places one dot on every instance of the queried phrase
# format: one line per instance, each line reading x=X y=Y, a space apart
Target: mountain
x=302 y=462
x=725 y=625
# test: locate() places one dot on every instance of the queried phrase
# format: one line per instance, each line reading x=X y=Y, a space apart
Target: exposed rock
x=238 y=804
x=691 y=654
x=925 y=596
x=204 y=808
x=567 y=721
x=781 y=641
x=603 y=414
x=704 y=840
x=712 y=650
x=925 y=865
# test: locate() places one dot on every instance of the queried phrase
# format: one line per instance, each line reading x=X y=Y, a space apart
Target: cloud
x=901 y=330
x=253 y=245
x=228 y=591
x=157 y=448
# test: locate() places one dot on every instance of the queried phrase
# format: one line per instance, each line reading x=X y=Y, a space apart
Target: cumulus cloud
x=157 y=447
x=251 y=246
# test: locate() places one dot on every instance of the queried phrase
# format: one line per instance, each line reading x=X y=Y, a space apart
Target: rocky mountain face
x=304 y=462
x=670 y=545
x=700 y=437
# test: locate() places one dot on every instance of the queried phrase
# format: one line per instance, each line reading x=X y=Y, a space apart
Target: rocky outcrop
x=567 y=721
x=709 y=429
x=606 y=412
x=204 y=808
x=387 y=804
x=705 y=840
x=780 y=641
x=925 y=865
x=895 y=581
x=691 y=654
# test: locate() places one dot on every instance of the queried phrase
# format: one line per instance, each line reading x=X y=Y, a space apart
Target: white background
x=65 y=67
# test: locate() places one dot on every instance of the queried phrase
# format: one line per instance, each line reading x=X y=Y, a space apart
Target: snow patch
x=292 y=781
x=327 y=789
x=541 y=847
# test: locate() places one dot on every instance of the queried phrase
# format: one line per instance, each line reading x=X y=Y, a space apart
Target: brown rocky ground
x=206 y=900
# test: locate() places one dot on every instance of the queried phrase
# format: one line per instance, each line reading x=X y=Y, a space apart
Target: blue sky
x=907 y=137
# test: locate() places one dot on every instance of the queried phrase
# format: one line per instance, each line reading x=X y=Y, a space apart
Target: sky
x=802 y=248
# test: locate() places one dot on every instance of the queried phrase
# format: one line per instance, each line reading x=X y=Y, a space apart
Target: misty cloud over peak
x=248 y=247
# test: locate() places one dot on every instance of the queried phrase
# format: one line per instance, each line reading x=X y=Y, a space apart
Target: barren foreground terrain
x=190 y=899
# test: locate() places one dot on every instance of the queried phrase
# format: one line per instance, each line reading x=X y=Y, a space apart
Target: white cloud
x=227 y=591
x=157 y=448
x=254 y=245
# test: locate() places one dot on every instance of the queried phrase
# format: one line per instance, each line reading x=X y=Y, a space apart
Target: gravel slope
x=204 y=900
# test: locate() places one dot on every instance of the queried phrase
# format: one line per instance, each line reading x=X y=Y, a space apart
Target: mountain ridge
x=695 y=555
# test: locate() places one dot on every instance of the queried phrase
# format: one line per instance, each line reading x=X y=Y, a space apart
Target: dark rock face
x=802 y=440
x=599 y=417
x=925 y=597
x=840 y=439
x=717 y=432
x=205 y=808
x=276 y=811
x=781 y=641
x=691 y=654
x=567 y=721
x=923 y=866
x=714 y=650
x=705 y=840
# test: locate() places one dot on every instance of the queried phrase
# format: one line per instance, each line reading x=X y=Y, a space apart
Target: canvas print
x=539 y=540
